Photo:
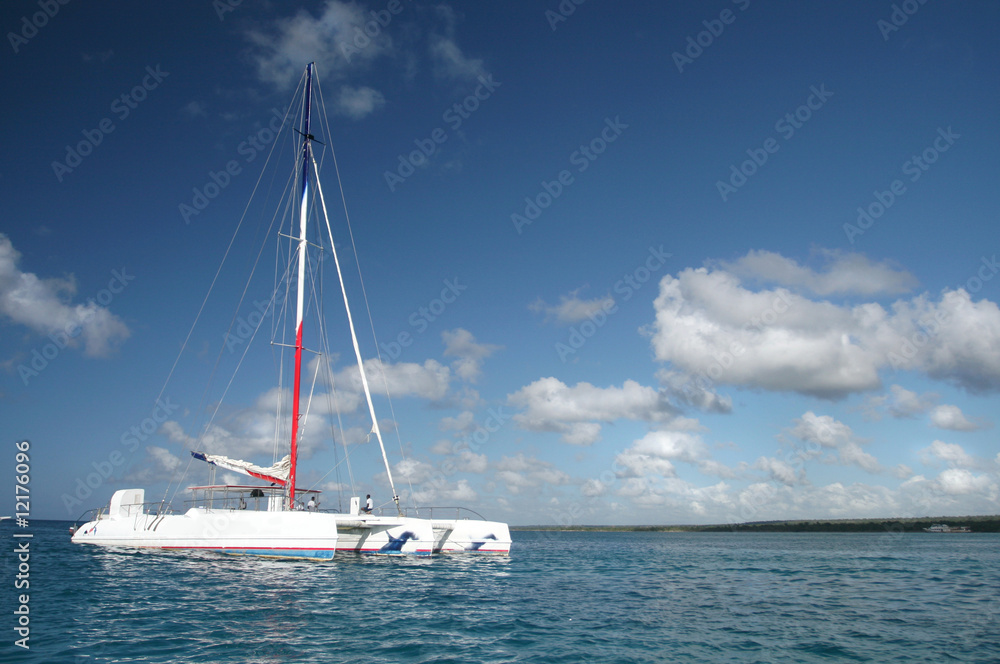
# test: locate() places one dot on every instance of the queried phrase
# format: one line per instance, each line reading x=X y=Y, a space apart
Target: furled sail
x=277 y=473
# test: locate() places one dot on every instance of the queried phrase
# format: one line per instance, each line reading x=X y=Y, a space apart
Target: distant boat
x=945 y=528
x=269 y=519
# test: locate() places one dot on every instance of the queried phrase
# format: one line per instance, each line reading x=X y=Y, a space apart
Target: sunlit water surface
x=559 y=597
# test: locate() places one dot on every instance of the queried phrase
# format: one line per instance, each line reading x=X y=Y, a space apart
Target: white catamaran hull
x=291 y=534
x=471 y=536
x=294 y=534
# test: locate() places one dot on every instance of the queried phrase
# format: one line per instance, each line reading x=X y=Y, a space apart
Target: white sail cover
x=277 y=473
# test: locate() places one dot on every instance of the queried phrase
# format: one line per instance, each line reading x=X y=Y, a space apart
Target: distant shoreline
x=978 y=524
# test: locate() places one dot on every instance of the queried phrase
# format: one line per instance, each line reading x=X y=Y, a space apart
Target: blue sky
x=682 y=263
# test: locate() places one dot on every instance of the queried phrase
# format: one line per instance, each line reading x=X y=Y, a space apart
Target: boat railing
x=98 y=512
x=448 y=513
x=227 y=501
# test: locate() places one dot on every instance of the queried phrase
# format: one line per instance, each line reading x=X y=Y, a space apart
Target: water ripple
x=561 y=597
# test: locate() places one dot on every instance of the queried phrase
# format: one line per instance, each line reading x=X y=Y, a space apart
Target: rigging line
x=312 y=388
x=249 y=341
x=334 y=400
x=219 y=270
x=239 y=364
x=324 y=119
x=357 y=349
x=211 y=287
x=280 y=320
x=182 y=476
x=317 y=300
x=371 y=323
x=246 y=289
x=323 y=361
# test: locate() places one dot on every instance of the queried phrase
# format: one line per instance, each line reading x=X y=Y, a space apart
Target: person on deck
x=369 y=506
x=311 y=505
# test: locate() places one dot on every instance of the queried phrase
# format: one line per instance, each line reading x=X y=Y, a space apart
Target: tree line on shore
x=977 y=524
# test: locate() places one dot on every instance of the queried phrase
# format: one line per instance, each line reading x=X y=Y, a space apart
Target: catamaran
x=268 y=519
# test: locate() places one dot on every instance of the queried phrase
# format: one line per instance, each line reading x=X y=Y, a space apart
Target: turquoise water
x=560 y=597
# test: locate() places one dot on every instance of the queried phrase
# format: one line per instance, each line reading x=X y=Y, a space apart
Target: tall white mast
x=300 y=296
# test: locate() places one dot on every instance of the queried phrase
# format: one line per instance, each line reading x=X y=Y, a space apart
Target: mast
x=300 y=296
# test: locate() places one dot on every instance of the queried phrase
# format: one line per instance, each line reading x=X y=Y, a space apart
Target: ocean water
x=559 y=597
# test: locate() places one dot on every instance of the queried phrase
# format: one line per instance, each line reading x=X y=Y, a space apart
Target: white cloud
x=958 y=481
x=907 y=404
x=42 y=306
x=470 y=354
x=572 y=308
x=711 y=327
x=582 y=433
x=463 y=423
x=950 y=453
x=413 y=471
x=520 y=473
x=163 y=458
x=657 y=452
x=470 y=462
x=194 y=109
x=576 y=412
x=852 y=454
x=952 y=418
x=780 y=470
x=429 y=380
x=899 y=403
x=694 y=392
x=845 y=273
x=823 y=431
x=591 y=488
x=357 y=103
x=451 y=63
x=283 y=49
